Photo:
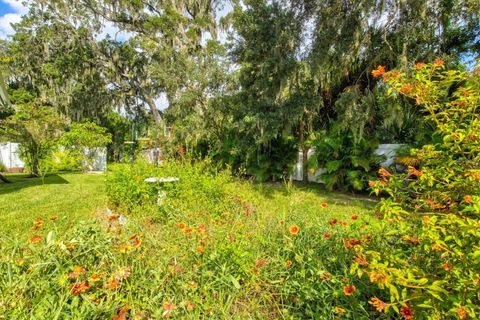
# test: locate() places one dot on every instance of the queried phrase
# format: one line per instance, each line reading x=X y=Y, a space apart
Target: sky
x=10 y=12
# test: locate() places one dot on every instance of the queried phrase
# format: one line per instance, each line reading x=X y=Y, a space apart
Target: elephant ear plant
x=347 y=164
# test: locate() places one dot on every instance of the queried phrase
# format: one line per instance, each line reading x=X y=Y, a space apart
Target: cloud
x=6 y=24
x=17 y=6
x=13 y=17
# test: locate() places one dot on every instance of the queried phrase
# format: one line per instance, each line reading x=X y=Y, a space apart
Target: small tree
x=37 y=129
x=84 y=139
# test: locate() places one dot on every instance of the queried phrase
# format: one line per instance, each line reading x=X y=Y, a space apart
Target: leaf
x=235 y=282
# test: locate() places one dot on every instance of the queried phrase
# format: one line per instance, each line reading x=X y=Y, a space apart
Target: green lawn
x=71 y=197
x=205 y=254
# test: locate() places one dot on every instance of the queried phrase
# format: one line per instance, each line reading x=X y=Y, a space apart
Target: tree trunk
x=304 y=152
x=2 y=178
x=158 y=123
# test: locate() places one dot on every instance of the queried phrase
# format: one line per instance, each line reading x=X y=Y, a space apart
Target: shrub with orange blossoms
x=427 y=259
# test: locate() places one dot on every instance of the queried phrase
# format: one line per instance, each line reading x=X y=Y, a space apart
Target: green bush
x=348 y=164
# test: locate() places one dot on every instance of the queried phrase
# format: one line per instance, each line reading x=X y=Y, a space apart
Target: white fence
x=9 y=156
x=387 y=150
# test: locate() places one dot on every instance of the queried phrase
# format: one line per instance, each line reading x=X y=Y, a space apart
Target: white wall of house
x=387 y=150
x=9 y=155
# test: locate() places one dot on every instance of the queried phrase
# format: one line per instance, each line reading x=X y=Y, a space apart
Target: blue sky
x=10 y=12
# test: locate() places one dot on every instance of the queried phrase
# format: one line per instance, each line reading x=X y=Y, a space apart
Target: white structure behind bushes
x=386 y=150
x=9 y=155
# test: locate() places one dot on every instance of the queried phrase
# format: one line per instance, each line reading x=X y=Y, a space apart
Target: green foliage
x=83 y=140
x=348 y=164
x=429 y=259
x=37 y=129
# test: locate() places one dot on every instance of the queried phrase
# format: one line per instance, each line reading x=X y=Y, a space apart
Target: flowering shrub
x=430 y=264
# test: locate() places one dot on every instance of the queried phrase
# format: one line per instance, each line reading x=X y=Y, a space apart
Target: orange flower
x=327 y=235
x=348 y=290
x=439 y=62
x=380 y=71
x=121 y=315
x=95 y=277
x=77 y=271
x=288 y=263
x=122 y=273
x=407 y=312
x=181 y=225
x=294 y=229
x=446 y=266
x=200 y=249
x=468 y=199
x=339 y=310
x=188 y=230
x=406 y=88
x=352 y=243
x=461 y=312
x=384 y=173
x=189 y=305
x=354 y=217
x=35 y=239
x=79 y=287
x=414 y=172
x=53 y=218
x=361 y=260
x=378 y=277
x=135 y=241
x=70 y=245
x=260 y=263
x=169 y=307
x=113 y=284
x=333 y=222
x=378 y=304
x=323 y=205
x=325 y=276
x=371 y=184
x=420 y=65
x=38 y=221
x=36 y=227
x=113 y=217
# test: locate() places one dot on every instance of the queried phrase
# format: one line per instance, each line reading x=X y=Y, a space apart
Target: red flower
x=352 y=243
x=294 y=229
x=380 y=71
x=407 y=312
x=326 y=276
x=348 y=290
x=323 y=205
x=288 y=263
x=354 y=217
x=333 y=222
x=327 y=235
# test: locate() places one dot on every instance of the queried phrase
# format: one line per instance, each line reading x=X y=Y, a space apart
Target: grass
x=71 y=197
x=216 y=249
